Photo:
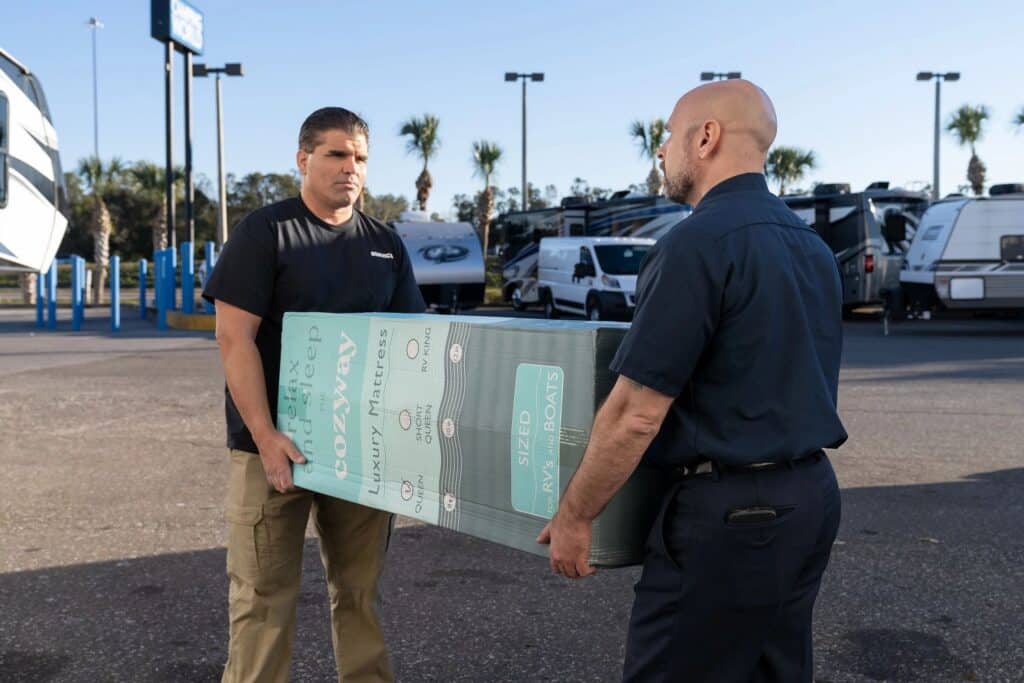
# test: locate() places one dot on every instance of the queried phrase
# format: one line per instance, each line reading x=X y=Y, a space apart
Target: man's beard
x=678 y=188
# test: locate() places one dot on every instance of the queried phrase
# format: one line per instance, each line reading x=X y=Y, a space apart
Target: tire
x=550 y=312
x=516 y=297
x=594 y=312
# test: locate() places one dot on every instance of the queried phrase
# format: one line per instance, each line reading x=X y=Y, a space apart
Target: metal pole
x=188 y=296
x=142 y=288
x=526 y=196
x=169 y=125
x=95 y=100
x=935 y=170
x=115 y=293
x=222 y=193
x=190 y=219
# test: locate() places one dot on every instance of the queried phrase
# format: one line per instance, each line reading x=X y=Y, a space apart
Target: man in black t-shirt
x=314 y=252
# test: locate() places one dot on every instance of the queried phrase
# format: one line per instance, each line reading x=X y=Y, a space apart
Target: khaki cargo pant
x=266 y=531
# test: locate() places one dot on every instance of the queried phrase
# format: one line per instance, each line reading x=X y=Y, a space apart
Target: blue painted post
x=211 y=261
x=115 y=293
x=143 y=271
x=160 y=287
x=40 y=295
x=172 y=301
x=188 y=277
x=77 y=292
x=51 y=296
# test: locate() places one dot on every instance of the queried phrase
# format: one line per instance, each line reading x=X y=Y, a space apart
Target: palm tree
x=967 y=126
x=788 y=165
x=99 y=178
x=485 y=161
x=423 y=141
x=649 y=137
x=149 y=181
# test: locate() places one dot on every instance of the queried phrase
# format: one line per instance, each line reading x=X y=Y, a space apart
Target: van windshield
x=621 y=259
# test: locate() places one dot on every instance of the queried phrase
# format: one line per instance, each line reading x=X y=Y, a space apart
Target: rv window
x=38 y=97
x=4 y=127
x=1011 y=248
x=932 y=233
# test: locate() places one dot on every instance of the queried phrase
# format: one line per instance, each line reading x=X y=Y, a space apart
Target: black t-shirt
x=739 y=317
x=283 y=258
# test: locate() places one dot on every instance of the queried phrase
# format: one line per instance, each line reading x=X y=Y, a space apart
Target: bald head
x=718 y=130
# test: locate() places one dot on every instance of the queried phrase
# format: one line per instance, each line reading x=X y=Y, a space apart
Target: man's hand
x=569 y=538
x=277 y=452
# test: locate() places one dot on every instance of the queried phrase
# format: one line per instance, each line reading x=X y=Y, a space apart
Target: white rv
x=447 y=260
x=968 y=255
x=590 y=276
x=32 y=196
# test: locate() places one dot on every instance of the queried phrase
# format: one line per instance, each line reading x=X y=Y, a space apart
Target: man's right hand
x=277 y=452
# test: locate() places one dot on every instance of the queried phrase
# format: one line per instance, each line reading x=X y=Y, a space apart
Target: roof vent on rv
x=1006 y=188
x=831 y=188
x=879 y=185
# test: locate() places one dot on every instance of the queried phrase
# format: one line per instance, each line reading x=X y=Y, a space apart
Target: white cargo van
x=967 y=255
x=590 y=276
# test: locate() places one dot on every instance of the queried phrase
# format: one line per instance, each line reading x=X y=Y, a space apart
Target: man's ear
x=710 y=136
x=301 y=157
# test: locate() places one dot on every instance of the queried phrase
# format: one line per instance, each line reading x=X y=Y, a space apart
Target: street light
x=94 y=24
x=939 y=77
x=512 y=76
x=719 y=75
x=201 y=71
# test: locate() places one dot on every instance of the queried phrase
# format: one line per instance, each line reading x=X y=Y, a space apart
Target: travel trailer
x=447 y=260
x=590 y=276
x=32 y=196
x=870 y=233
x=968 y=255
x=623 y=215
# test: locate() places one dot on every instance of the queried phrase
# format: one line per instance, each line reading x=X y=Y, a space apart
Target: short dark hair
x=330 y=118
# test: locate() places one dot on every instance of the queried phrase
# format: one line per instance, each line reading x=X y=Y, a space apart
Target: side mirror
x=894 y=228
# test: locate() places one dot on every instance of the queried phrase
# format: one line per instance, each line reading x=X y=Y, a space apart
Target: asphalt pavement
x=111 y=527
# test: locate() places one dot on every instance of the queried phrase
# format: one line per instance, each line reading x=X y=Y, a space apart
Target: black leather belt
x=710 y=467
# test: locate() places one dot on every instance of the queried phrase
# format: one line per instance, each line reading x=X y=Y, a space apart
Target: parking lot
x=111 y=532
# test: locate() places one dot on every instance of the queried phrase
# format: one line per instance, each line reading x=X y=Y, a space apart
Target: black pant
x=724 y=602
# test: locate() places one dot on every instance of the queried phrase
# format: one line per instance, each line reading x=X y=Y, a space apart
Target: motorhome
x=968 y=255
x=447 y=261
x=32 y=198
x=622 y=215
x=590 y=276
x=869 y=232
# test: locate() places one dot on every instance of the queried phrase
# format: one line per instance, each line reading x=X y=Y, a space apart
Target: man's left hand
x=569 y=538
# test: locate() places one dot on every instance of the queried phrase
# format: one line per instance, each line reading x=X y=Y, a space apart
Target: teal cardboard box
x=471 y=423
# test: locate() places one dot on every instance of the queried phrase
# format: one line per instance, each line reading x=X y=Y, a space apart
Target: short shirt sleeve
x=244 y=273
x=407 y=297
x=678 y=305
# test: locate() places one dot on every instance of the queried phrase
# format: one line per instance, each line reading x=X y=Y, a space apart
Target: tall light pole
x=939 y=77
x=201 y=71
x=512 y=76
x=719 y=75
x=94 y=24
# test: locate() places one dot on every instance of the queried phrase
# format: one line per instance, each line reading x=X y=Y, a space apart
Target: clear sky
x=841 y=76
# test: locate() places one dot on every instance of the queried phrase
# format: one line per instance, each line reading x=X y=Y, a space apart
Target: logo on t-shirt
x=380 y=254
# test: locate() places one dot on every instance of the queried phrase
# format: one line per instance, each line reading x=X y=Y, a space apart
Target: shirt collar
x=745 y=182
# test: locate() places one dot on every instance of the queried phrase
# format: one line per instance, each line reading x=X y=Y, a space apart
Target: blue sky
x=842 y=80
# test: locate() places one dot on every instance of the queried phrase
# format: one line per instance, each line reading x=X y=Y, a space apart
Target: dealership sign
x=178 y=22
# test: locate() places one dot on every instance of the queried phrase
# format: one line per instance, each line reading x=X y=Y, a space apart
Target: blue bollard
x=51 y=296
x=211 y=261
x=77 y=292
x=188 y=278
x=143 y=271
x=40 y=295
x=115 y=293
x=160 y=287
x=172 y=301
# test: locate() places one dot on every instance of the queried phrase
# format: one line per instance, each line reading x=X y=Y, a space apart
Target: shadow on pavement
x=921 y=588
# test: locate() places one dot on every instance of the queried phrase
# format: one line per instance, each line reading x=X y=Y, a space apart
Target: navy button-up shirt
x=739 y=318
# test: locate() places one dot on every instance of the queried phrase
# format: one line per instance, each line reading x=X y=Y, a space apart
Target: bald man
x=727 y=381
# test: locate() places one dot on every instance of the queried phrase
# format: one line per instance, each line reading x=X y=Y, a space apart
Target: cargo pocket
x=247 y=538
